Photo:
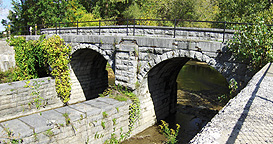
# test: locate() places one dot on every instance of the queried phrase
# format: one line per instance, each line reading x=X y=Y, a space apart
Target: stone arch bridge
x=148 y=64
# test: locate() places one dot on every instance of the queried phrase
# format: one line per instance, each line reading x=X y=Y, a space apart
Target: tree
x=45 y=13
x=110 y=8
x=15 y=17
x=253 y=44
x=242 y=10
x=174 y=9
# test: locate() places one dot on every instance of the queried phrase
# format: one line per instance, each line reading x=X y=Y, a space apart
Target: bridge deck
x=247 y=118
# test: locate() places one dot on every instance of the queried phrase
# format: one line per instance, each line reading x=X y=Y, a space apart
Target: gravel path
x=247 y=118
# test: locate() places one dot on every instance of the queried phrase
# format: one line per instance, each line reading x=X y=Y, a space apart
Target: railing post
x=99 y=27
x=224 y=32
x=30 y=30
x=127 y=27
x=56 y=28
x=35 y=29
x=174 y=28
x=134 y=27
x=77 y=27
x=59 y=27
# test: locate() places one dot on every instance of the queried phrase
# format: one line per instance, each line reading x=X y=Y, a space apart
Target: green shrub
x=253 y=44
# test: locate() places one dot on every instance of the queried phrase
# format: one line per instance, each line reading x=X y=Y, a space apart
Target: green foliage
x=67 y=118
x=45 y=13
x=114 y=121
x=115 y=93
x=170 y=134
x=253 y=44
x=6 y=76
x=233 y=85
x=104 y=114
x=103 y=124
x=35 y=137
x=114 y=139
x=97 y=136
x=173 y=9
x=10 y=136
x=33 y=59
x=134 y=108
x=58 y=57
x=29 y=59
x=49 y=133
x=37 y=100
x=244 y=10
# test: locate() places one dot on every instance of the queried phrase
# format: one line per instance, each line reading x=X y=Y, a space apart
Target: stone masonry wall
x=16 y=99
x=151 y=31
x=91 y=122
x=7 y=59
x=150 y=66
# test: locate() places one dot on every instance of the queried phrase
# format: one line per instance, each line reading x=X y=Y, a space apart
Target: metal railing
x=173 y=24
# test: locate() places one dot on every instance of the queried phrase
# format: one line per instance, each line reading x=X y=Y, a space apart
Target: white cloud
x=3 y=15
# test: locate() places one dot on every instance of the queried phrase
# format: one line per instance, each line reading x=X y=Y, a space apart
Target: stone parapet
x=18 y=98
x=151 y=31
x=92 y=122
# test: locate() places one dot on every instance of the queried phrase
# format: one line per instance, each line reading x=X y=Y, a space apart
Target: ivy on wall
x=57 y=56
x=29 y=59
x=35 y=57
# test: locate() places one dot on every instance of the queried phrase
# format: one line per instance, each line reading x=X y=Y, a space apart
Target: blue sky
x=5 y=11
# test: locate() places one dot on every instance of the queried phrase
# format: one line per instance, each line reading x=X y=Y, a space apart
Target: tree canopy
x=50 y=12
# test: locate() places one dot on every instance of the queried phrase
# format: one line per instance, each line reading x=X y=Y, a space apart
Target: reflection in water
x=197 y=76
x=199 y=86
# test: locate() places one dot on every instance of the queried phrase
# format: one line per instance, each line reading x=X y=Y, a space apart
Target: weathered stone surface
x=87 y=109
x=37 y=122
x=18 y=128
x=73 y=114
x=53 y=117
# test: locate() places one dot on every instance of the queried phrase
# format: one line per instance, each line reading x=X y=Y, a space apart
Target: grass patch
x=6 y=76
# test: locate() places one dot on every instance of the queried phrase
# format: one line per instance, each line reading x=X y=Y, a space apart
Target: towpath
x=247 y=118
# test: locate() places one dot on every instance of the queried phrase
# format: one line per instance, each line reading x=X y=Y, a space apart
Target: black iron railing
x=173 y=24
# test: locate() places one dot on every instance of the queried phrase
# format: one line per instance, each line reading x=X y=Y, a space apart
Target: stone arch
x=158 y=87
x=95 y=48
x=88 y=74
x=179 y=54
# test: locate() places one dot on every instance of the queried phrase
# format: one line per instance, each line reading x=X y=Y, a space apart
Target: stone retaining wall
x=91 y=122
x=16 y=98
x=7 y=59
x=211 y=34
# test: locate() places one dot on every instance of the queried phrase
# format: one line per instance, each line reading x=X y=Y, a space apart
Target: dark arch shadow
x=89 y=68
x=163 y=87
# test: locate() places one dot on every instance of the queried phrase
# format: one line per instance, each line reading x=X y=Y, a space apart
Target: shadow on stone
x=89 y=68
x=163 y=87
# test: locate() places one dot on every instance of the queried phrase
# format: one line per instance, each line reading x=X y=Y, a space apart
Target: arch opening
x=165 y=86
x=89 y=75
x=200 y=85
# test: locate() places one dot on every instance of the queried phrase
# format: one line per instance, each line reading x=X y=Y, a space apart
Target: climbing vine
x=35 y=58
x=57 y=56
x=121 y=93
x=29 y=59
